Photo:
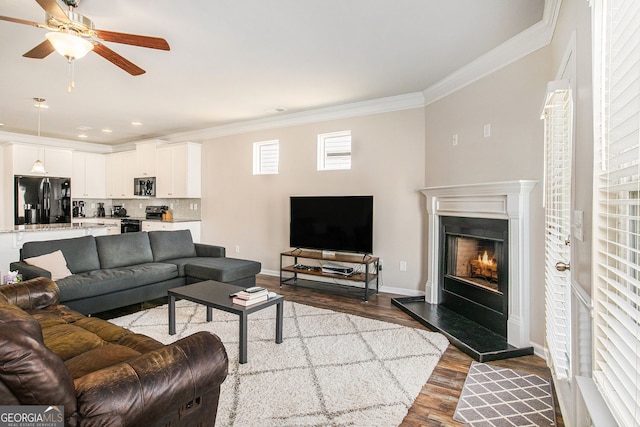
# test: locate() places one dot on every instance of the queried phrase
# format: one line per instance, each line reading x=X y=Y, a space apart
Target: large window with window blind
x=617 y=201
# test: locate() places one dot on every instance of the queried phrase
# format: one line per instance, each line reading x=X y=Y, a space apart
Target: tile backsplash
x=180 y=208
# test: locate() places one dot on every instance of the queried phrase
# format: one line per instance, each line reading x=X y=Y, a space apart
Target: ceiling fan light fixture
x=69 y=45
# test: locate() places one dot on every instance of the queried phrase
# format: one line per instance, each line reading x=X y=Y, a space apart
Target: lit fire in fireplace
x=484 y=267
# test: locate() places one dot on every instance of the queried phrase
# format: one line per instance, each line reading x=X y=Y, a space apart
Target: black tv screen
x=335 y=223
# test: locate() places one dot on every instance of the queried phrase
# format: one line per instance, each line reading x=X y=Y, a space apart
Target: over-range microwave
x=144 y=186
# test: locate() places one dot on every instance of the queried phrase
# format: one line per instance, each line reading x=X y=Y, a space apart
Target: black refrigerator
x=42 y=200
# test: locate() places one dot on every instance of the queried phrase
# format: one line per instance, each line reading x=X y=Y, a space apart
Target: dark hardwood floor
x=437 y=400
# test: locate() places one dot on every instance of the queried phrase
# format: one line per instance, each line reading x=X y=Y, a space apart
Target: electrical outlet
x=403 y=265
x=454 y=139
x=195 y=206
x=487 y=130
x=140 y=206
x=171 y=206
x=237 y=249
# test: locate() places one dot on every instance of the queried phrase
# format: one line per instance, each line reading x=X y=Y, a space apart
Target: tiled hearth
x=501 y=200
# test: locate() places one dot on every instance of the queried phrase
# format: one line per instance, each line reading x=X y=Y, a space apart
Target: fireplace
x=478 y=268
x=474 y=264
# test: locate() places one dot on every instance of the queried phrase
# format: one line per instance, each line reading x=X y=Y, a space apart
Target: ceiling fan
x=73 y=35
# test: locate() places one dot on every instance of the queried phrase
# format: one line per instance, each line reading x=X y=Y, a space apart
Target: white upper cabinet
x=179 y=171
x=88 y=179
x=56 y=161
x=146 y=157
x=120 y=168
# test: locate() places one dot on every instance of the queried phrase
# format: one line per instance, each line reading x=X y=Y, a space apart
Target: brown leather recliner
x=101 y=373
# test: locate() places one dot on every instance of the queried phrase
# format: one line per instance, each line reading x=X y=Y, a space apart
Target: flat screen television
x=333 y=223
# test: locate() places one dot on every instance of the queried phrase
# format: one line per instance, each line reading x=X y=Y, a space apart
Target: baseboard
x=401 y=291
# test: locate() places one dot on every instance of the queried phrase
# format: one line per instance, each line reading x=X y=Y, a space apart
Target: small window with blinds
x=266 y=155
x=558 y=123
x=334 y=151
x=616 y=199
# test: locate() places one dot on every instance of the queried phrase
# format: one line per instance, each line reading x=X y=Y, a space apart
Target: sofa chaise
x=101 y=273
x=100 y=373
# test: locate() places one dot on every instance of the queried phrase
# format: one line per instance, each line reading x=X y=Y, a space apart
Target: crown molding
x=533 y=38
x=20 y=138
x=363 y=108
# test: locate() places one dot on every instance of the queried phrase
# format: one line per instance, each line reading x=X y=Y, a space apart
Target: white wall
x=510 y=100
x=239 y=208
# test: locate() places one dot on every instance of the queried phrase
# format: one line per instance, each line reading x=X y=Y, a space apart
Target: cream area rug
x=331 y=369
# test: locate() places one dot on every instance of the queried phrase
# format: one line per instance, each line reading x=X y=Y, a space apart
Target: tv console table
x=367 y=276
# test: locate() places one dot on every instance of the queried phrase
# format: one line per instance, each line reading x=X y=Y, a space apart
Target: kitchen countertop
x=50 y=227
x=107 y=218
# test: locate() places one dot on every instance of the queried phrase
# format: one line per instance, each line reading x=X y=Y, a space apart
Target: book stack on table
x=251 y=296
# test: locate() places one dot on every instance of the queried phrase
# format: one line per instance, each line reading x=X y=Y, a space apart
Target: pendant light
x=38 y=166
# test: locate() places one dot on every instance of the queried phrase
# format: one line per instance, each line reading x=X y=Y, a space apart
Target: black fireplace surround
x=474 y=266
x=473 y=289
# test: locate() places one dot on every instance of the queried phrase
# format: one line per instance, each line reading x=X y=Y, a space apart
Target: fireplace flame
x=484 y=259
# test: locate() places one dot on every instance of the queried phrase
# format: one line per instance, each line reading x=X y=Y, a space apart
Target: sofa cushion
x=105 y=281
x=120 y=250
x=53 y=263
x=221 y=269
x=79 y=252
x=99 y=358
x=171 y=244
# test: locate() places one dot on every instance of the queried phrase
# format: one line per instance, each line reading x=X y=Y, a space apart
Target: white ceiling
x=235 y=60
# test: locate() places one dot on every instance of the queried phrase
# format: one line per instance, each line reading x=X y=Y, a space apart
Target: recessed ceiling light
x=136 y=123
x=105 y=130
x=276 y=110
x=83 y=127
x=83 y=136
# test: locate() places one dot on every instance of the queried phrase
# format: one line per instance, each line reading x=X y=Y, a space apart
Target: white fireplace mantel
x=507 y=200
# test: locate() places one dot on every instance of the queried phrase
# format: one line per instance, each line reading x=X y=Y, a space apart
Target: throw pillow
x=54 y=262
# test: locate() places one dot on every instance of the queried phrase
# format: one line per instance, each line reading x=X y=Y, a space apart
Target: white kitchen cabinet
x=121 y=168
x=179 y=171
x=146 y=159
x=193 y=226
x=57 y=161
x=88 y=179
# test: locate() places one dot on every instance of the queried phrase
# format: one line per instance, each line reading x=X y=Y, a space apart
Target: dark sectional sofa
x=122 y=269
x=100 y=373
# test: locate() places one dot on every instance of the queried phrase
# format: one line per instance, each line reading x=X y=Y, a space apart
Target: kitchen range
x=133 y=225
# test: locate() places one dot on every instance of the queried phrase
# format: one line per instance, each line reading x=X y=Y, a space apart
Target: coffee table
x=216 y=295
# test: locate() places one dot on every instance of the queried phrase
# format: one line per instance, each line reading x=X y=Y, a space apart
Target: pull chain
x=71 y=76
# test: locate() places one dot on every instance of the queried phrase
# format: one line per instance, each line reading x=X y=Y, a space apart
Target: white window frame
x=334 y=151
x=616 y=255
x=264 y=153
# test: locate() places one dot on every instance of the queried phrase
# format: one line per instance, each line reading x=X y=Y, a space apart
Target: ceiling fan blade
x=53 y=8
x=133 y=39
x=20 y=21
x=117 y=59
x=41 y=51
